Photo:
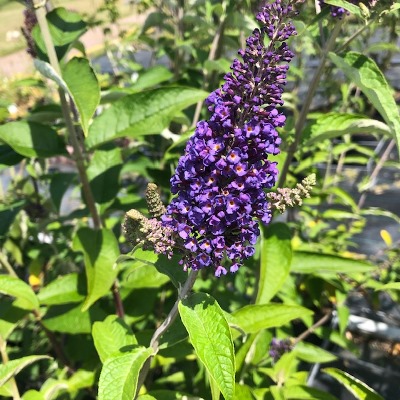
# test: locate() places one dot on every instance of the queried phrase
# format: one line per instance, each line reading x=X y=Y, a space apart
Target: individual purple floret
x=220 y=180
x=340 y=12
x=279 y=347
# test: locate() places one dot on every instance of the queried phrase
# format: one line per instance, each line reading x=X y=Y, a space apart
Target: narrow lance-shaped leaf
x=275 y=260
x=100 y=249
x=25 y=297
x=318 y=263
x=119 y=375
x=254 y=318
x=359 y=389
x=331 y=125
x=211 y=337
x=13 y=367
x=369 y=78
x=347 y=6
x=143 y=113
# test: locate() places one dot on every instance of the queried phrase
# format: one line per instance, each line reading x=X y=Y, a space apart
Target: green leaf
x=139 y=275
x=8 y=157
x=49 y=72
x=59 y=184
x=359 y=389
x=63 y=290
x=65 y=27
x=331 y=125
x=312 y=354
x=10 y=316
x=13 y=367
x=69 y=318
x=152 y=77
x=100 y=249
x=364 y=72
x=81 y=379
x=306 y=393
x=243 y=392
x=103 y=172
x=211 y=337
x=339 y=215
x=119 y=375
x=31 y=139
x=141 y=114
x=83 y=87
x=25 y=297
x=33 y=395
x=254 y=318
x=317 y=263
x=353 y=9
x=7 y=215
x=275 y=260
x=112 y=337
x=390 y=286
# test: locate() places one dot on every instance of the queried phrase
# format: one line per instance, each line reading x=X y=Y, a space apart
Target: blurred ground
x=13 y=57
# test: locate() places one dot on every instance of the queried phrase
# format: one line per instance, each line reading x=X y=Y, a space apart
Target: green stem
x=73 y=137
x=307 y=102
x=155 y=340
x=376 y=171
x=7 y=266
x=4 y=356
x=215 y=45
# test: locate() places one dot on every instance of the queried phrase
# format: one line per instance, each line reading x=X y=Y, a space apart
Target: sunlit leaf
x=100 y=249
x=112 y=336
x=276 y=256
x=119 y=375
x=84 y=88
x=365 y=73
x=211 y=338
x=143 y=113
x=65 y=289
x=359 y=389
x=254 y=318
x=319 y=263
x=13 y=367
x=15 y=287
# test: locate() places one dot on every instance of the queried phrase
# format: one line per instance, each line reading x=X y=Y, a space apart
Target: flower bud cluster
x=149 y=233
x=30 y=21
x=279 y=347
x=220 y=180
x=287 y=197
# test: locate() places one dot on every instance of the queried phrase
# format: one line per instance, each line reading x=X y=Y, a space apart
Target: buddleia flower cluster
x=30 y=22
x=219 y=182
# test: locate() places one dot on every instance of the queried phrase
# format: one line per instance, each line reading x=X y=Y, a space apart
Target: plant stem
x=312 y=328
x=4 y=262
x=54 y=342
x=73 y=137
x=155 y=340
x=376 y=171
x=215 y=45
x=307 y=102
x=4 y=356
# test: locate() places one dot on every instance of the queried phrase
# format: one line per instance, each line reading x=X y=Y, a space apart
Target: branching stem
x=73 y=136
x=307 y=102
x=155 y=340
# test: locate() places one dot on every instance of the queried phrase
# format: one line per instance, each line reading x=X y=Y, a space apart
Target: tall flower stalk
x=220 y=180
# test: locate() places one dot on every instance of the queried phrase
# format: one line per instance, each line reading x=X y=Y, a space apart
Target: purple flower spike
x=220 y=180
